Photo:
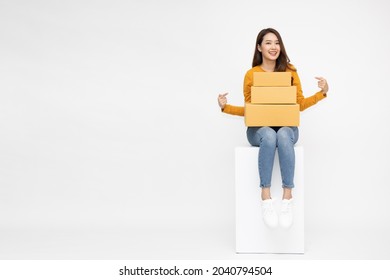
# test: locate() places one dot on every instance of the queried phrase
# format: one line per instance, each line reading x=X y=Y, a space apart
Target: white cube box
x=252 y=235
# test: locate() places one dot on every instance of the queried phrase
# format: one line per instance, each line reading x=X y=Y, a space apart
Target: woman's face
x=269 y=48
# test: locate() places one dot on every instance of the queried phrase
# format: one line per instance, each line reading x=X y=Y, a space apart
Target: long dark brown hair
x=282 y=62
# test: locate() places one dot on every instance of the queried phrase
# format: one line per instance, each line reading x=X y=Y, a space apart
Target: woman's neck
x=268 y=65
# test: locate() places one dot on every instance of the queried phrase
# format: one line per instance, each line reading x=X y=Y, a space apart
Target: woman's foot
x=286 y=213
x=287 y=193
x=269 y=214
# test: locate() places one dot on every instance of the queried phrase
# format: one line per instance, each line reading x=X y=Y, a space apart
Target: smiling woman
x=271 y=56
x=270 y=52
x=270 y=48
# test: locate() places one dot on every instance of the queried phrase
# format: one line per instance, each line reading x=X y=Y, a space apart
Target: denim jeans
x=268 y=139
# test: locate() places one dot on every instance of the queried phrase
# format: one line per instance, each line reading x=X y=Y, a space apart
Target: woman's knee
x=267 y=136
x=285 y=135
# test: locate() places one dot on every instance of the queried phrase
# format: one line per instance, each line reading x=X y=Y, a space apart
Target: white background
x=112 y=144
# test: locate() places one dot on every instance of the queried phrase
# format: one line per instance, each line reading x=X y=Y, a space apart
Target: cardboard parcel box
x=271 y=115
x=274 y=95
x=271 y=79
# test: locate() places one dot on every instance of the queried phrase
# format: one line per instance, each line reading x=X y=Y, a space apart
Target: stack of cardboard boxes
x=273 y=101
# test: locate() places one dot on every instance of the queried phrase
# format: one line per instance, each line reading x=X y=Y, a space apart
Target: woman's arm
x=237 y=110
x=229 y=109
x=303 y=102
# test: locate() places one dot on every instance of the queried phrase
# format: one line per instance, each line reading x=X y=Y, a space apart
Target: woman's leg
x=265 y=138
x=286 y=138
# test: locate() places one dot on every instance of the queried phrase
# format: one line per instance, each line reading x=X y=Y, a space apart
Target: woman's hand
x=322 y=84
x=222 y=100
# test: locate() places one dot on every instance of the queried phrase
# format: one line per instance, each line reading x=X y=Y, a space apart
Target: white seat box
x=252 y=235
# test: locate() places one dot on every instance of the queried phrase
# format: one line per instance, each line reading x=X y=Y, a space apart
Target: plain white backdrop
x=112 y=144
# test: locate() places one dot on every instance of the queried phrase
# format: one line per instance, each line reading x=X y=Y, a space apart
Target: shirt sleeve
x=234 y=110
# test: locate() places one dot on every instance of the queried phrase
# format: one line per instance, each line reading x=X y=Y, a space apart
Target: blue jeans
x=268 y=139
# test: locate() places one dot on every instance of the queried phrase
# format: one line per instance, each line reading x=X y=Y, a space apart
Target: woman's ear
x=258 y=48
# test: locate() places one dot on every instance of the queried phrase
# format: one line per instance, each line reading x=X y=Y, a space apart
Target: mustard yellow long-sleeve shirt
x=303 y=102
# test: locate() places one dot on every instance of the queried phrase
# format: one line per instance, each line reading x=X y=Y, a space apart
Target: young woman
x=270 y=56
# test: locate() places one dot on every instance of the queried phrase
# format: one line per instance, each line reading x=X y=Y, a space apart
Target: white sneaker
x=286 y=214
x=269 y=214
